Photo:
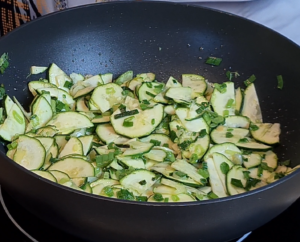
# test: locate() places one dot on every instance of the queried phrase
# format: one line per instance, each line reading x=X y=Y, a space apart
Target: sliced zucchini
x=14 y=124
x=180 y=94
x=252 y=144
x=139 y=181
x=149 y=90
x=30 y=153
x=156 y=155
x=221 y=164
x=65 y=122
x=214 y=179
x=196 y=82
x=107 y=78
x=138 y=148
x=140 y=124
x=60 y=95
x=60 y=177
x=125 y=77
x=108 y=135
x=170 y=172
x=58 y=77
x=171 y=198
x=238 y=100
x=159 y=140
x=74 y=167
x=198 y=148
x=41 y=113
x=106 y=96
x=130 y=162
x=223 y=102
x=237 y=122
x=194 y=125
x=86 y=142
x=45 y=174
x=228 y=149
x=236 y=180
x=251 y=107
x=267 y=133
x=187 y=168
x=147 y=77
x=35 y=85
x=72 y=147
x=252 y=160
x=223 y=134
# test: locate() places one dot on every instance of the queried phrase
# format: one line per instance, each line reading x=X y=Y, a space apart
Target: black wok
x=167 y=39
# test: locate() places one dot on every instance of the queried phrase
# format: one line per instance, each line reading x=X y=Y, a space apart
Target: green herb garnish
x=150 y=94
x=250 y=80
x=158 y=197
x=222 y=88
x=243 y=140
x=224 y=167
x=2 y=91
x=229 y=103
x=108 y=191
x=68 y=84
x=229 y=135
x=203 y=172
x=215 y=61
x=237 y=183
x=125 y=195
x=212 y=195
x=253 y=127
x=127 y=113
x=279 y=82
x=3 y=62
x=141 y=198
x=230 y=75
x=202 y=133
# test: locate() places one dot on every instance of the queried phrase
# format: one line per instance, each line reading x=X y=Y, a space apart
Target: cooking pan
x=167 y=39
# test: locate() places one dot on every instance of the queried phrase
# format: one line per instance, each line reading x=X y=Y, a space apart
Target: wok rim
x=151 y=204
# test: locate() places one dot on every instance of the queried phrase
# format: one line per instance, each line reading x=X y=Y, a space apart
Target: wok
x=167 y=39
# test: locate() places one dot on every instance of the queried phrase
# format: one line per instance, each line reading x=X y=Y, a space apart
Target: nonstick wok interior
x=167 y=39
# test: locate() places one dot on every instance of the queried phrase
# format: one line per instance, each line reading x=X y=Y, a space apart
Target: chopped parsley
x=279 y=82
x=215 y=61
x=3 y=62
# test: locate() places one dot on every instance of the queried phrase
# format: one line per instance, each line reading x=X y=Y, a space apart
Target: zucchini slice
x=166 y=170
x=141 y=124
x=236 y=180
x=187 y=168
x=58 y=77
x=74 y=167
x=14 y=124
x=223 y=102
x=45 y=174
x=139 y=181
x=237 y=122
x=108 y=135
x=214 y=179
x=238 y=100
x=196 y=82
x=230 y=150
x=30 y=153
x=72 y=147
x=172 y=198
x=106 y=96
x=251 y=107
x=223 y=134
x=65 y=122
x=267 y=133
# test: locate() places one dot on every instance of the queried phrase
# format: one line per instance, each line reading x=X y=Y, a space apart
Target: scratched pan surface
x=167 y=39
